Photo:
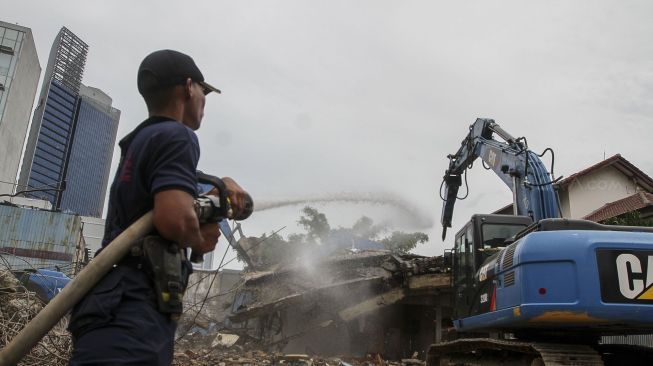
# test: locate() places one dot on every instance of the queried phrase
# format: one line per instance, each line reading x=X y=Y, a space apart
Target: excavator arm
x=519 y=168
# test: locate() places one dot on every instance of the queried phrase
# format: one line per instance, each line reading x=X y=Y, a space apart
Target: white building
x=19 y=76
x=604 y=190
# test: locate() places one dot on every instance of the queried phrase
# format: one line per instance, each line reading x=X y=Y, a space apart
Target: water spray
x=420 y=220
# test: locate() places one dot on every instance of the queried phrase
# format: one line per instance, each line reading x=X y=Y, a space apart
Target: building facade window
x=10 y=45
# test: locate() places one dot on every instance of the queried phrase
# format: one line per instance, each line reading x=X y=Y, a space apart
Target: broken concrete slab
x=224 y=340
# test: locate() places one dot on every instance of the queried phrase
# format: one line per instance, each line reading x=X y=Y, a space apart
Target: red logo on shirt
x=126 y=172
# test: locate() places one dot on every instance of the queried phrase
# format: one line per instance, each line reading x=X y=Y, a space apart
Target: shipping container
x=39 y=239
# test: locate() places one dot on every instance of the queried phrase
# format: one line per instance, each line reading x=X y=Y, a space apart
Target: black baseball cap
x=166 y=68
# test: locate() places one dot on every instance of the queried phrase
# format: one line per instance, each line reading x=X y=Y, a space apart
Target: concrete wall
x=28 y=202
x=20 y=100
x=93 y=231
x=592 y=191
x=220 y=287
x=96 y=95
x=563 y=194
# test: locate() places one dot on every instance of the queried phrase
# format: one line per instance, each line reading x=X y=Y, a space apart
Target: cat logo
x=625 y=275
x=629 y=266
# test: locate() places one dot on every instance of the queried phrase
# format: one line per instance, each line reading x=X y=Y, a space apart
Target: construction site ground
x=365 y=289
x=199 y=351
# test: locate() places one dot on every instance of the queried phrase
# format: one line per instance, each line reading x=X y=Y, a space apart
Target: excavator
x=534 y=288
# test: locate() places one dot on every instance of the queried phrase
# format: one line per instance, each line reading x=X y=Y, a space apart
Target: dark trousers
x=117 y=323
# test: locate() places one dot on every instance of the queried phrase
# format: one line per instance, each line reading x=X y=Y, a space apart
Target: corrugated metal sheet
x=38 y=239
x=637 y=340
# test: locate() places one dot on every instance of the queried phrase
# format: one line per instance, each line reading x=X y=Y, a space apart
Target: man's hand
x=235 y=193
x=210 y=233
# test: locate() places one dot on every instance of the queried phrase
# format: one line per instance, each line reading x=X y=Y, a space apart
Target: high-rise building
x=68 y=154
x=87 y=173
x=53 y=124
x=19 y=77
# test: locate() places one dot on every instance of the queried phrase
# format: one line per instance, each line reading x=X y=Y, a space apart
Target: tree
x=400 y=242
x=275 y=249
x=321 y=240
x=315 y=223
x=632 y=218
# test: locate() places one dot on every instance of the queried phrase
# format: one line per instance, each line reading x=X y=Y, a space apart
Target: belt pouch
x=163 y=261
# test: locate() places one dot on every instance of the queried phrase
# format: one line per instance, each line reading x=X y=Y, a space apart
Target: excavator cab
x=474 y=246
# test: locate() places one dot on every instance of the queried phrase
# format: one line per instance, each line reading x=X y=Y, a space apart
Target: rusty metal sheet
x=31 y=238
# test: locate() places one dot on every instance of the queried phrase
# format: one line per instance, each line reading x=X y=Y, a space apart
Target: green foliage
x=315 y=241
x=400 y=242
x=315 y=223
x=629 y=219
x=275 y=248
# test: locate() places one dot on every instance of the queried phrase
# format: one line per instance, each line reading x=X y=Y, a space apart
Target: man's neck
x=174 y=112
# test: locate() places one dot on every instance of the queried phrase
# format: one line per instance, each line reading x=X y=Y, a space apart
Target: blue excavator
x=533 y=288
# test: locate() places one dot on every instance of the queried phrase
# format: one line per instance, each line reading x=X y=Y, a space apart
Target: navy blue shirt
x=160 y=154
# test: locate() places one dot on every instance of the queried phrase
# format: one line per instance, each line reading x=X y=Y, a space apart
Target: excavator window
x=463 y=267
x=458 y=258
x=464 y=254
x=494 y=235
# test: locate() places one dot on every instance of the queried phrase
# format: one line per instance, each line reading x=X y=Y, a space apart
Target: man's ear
x=188 y=88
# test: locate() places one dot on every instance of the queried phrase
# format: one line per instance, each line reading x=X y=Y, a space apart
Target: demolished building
x=370 y=302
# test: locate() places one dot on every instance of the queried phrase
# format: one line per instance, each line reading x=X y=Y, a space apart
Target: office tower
x=53 y=124
x=19 y=77
x=87 y=173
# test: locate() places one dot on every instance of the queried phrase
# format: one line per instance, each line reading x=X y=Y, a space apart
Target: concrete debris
x=224 y=340
x=239 y=357
x=196 y=350
x=412 y=362
x=293 y=360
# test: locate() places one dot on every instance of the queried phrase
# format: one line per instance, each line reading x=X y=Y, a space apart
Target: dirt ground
x=203 y=350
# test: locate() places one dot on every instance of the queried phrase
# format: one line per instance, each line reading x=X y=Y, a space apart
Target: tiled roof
x=505 y=210
x=637 y=201
x=618 y=162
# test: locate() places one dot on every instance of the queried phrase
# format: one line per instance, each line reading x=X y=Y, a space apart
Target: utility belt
x=167 y=267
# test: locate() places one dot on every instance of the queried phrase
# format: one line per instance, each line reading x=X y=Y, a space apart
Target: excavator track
x=483 y=351
x=624 y=354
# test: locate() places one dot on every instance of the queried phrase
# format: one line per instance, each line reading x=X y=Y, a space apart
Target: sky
x=335 y=101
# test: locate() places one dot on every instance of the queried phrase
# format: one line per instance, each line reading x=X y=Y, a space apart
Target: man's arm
x=175 y=219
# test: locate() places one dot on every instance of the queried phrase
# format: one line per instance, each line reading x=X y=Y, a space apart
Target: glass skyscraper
x=70 y=146
x=45 y=159
x=19 y=76
x=87 y=173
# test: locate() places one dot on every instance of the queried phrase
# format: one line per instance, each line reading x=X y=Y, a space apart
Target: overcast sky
x=366 y=98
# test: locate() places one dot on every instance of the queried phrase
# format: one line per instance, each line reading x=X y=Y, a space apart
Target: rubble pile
x=217 y=350
x=17 y=307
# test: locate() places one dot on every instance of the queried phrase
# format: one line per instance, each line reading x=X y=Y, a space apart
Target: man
x=118 y=322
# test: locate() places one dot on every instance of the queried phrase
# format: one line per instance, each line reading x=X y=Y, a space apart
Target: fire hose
x=205 y=208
